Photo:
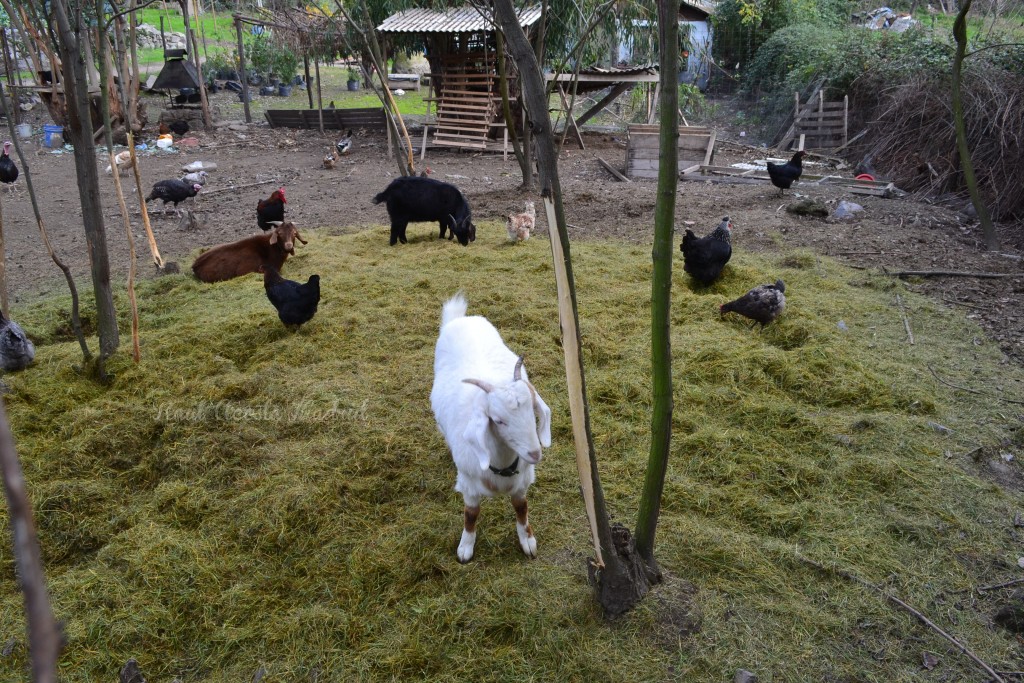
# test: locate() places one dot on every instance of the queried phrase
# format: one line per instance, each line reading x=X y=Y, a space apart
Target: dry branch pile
x=913 y=141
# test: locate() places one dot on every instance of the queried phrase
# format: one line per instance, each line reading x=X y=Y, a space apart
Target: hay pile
x=248 y=497
x=913 y=141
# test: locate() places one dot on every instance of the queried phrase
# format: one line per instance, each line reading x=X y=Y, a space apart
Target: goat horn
x=517 y=374
x=486 y=386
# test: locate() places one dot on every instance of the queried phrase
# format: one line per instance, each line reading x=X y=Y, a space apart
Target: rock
x=744 y=676
x=808 y=207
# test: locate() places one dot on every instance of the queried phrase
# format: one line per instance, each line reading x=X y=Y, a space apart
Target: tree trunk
x=960 y=35
x=506 y=110
x=661 y=286
x=80 y=129
x=621 y=582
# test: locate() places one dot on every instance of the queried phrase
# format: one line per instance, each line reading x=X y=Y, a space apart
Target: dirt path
x=898 y=234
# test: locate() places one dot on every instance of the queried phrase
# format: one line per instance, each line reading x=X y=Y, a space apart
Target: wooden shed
x=696 y=148
x=461 y=50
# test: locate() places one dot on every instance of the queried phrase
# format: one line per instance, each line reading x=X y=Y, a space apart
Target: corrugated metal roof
x=706 y=6
x=462 y=20
x=643 y=69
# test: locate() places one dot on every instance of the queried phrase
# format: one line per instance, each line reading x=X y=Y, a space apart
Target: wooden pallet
x=824 y=125
x=334 y=119
x=643 y=153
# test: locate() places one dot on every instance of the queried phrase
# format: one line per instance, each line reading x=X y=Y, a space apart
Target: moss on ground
x=249 y=497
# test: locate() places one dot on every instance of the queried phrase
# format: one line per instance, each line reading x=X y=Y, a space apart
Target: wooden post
x=305 y=69
x=796 y=106
x=190 y=37
x=241 y=68
x=3 y=266
x=846 y=117
x=15 y=109
x=319 y=95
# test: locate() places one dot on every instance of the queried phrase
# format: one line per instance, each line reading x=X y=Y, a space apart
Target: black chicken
x=16 y=350
x=173 y=191
x=8 y=171
x=784 y=175
x=179 y=127
x=762 y=304
x=295 y=303
x=271 y=210
x=705 y=257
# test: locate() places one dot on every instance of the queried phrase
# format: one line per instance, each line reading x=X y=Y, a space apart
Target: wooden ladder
x=467 y=102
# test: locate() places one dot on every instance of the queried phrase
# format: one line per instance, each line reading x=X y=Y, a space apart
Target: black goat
x=411 y=199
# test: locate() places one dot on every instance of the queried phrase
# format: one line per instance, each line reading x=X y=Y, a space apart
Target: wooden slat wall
x=334 y=119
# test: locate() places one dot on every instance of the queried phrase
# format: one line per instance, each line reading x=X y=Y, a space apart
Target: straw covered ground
x=247 y=497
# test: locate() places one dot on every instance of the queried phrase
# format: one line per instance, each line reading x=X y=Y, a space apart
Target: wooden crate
x=696 y=147
x=334 y=119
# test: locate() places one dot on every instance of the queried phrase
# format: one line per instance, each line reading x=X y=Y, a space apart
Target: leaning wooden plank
x=711 y=147
x=614 y=171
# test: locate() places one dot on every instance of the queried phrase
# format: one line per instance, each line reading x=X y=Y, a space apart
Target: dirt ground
x=897 y=234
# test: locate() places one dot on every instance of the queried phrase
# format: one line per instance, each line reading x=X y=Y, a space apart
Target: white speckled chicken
x=762 y=304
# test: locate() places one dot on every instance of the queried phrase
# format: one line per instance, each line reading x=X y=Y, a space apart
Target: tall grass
x=248 y=497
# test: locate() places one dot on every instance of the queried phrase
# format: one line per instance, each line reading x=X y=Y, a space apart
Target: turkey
x=173 y=191
x=16 y=350
x=8 y=171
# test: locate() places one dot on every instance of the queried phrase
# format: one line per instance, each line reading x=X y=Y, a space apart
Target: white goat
x=493 y=419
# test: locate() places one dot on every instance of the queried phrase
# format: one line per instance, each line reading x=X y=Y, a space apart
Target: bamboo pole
x=319 y=95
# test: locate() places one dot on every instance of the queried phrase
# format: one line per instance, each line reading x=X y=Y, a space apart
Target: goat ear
x=273 y=236
x=543 y=419
x=486 y=386
x=299 y=237
x=476 y=431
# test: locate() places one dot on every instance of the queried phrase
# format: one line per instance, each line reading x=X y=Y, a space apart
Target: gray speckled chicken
x=16 y=350
x=762 y=304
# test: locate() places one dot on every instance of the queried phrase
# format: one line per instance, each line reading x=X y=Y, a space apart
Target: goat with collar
x=493 y=419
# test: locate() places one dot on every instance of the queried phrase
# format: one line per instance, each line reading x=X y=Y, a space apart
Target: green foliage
x=286 y=64
x=247 y=497
x=795 y=55
x=742 y=26
x=260 y=53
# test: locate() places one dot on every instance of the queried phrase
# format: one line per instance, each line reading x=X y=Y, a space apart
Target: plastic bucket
x=53 y=135
x=24 y=130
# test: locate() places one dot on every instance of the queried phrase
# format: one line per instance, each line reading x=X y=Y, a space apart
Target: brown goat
x=226 y=261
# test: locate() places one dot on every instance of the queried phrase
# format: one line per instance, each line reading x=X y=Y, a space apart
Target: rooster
x=784 y=175
x=295 y=303
x=762 y=304
x=177 y=127
x=520 y=224
x=705 y=257
x=8 y=171
x=271 y=210
x=173 y=191
x=344 y=145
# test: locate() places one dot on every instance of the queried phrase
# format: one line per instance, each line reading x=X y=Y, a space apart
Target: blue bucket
x=53 y=135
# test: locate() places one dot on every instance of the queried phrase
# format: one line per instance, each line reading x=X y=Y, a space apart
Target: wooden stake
x=906 y=320
x=3 y=266
x=190 y=36
x=116 y=174
x=157 y=259
x=577 y=408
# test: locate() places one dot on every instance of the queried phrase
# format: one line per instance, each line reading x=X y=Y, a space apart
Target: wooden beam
x=616 y=90
x=614 y=171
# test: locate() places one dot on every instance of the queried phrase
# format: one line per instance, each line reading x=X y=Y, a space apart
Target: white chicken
x=195 y=178
x=123 y=161
x=520 y=224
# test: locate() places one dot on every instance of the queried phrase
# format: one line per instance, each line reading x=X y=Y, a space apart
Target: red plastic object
x=865 y=176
